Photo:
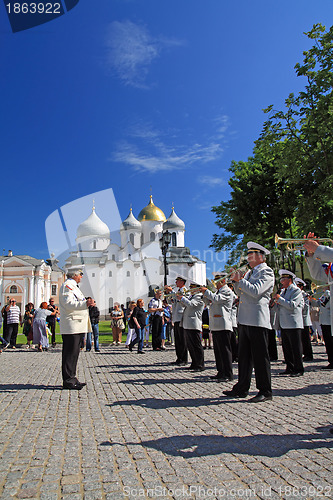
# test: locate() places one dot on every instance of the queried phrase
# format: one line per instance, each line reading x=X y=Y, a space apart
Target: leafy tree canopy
x=286 y=186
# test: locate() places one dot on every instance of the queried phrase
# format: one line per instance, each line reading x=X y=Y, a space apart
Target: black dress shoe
x=189 y=368
x=82 y=383
x=260 y=398
x=218 y=377
x=286 y=372
x=141 y=352
x=75 y=387
x=234 y=394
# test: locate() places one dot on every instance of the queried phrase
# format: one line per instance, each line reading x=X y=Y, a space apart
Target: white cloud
x=163 y=157
x=131 y=51
x=222 y=124
x=152 y=150
x=211 y=181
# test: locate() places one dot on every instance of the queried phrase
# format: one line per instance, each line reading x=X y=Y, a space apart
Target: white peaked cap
x=251 y=245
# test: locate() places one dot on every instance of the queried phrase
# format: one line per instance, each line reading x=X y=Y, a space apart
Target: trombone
x=294 y=244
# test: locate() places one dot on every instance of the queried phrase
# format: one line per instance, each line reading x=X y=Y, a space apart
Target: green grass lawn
x=105 y=334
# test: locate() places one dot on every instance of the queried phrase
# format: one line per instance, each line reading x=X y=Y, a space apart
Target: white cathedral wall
x=91 y=243
x=125 y=236
x=149 y=227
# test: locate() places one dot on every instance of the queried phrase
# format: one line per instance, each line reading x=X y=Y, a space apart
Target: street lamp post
x=164 y=245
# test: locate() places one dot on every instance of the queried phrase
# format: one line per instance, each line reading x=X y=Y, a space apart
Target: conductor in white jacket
x=74 y=324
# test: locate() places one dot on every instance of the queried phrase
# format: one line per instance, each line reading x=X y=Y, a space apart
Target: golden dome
x=151 y=212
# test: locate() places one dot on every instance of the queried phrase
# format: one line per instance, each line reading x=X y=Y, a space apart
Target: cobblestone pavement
x=142 y=428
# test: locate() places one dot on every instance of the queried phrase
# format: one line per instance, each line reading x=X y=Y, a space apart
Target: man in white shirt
x=13 y=320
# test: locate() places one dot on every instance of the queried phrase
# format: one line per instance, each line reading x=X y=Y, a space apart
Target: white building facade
x=27 y=279
x=131 y=270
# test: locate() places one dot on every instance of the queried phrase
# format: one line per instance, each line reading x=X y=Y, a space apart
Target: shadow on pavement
x=19 y=387
x=274 y=445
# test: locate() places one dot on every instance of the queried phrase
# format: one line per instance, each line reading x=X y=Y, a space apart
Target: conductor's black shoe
x=234 y=394
x=260 y=398
x=214 y=377
x=82 y=383
x=286 y=372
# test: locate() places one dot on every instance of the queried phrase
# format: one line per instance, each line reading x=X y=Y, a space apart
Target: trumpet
x=242 y=270
x=317 y=288
x=294 y=244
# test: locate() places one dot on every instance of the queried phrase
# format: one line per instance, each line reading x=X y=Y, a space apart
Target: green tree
x=305 y=128
x=286 y=186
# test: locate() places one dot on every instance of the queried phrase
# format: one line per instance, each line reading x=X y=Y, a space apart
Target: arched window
x=152 y=236
x=131 y=238
x=144 y=272
x=129 y=255
x=173 y=240
x=13 y=289
x=94 y=245
x=128 y=274
x=110 y=304
x=110 y=274
x=141 y=239
x=113 y=257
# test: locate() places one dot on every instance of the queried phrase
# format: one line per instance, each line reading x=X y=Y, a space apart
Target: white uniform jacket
x=306 y=310
x=290 y=307
x=220 y=309
x=177 y=306
x=234 y=310
x=192 y=315
x=321 y=255
x=74 y=313
x=324 y=308
x=254 y=291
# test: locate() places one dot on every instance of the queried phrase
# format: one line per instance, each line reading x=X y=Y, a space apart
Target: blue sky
x=140 y=94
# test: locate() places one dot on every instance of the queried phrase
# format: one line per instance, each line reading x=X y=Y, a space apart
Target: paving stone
x=145 y=426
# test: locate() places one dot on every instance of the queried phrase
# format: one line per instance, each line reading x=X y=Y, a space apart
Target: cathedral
x=133 y=268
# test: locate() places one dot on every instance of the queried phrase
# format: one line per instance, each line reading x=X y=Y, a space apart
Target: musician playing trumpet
x=220 y=323
x=319 y=259
x=192 y=323
x=254 y=290
x=177 y=315
x=290 y=311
